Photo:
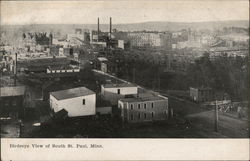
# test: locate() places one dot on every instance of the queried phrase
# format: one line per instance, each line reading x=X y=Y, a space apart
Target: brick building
x=143 y=109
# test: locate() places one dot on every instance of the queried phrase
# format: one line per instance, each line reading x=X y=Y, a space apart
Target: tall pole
x=110 y=28
x=216 y=117
x=98 y=29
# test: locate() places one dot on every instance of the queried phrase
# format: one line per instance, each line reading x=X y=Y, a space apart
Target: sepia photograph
x=124 y=69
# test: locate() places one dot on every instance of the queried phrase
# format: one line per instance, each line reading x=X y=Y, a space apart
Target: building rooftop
x=119 y=85
x=44 y=61
x=12 y=91
x=102 y=59
x=71 y=93
x=201 y=88
x=142 y=99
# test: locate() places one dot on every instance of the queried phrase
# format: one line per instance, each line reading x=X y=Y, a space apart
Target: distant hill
x=175 y=26
x=150 y=26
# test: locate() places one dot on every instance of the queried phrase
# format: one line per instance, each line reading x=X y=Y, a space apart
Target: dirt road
x=228 y=126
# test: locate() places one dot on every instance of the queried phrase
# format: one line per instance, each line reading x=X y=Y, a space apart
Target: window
x=139 y=116
x=139 y=106
x=83 y=102
x=145 y=115
x=118 y=91
x=131 y=106
x=152 y=114
x=152 y=105
x=145 y=106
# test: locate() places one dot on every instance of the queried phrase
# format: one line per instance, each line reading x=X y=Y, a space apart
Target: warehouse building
x=76 y=101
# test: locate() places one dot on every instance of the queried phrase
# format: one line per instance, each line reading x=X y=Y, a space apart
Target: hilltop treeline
x=227 y=74
x=224 y=74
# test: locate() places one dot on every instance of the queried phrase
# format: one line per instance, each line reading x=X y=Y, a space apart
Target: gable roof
x=12 y=91
x=72 y=93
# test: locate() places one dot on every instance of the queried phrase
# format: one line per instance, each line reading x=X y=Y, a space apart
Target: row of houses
x=130 y=103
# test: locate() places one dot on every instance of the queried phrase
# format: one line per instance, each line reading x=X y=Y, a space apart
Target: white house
x=77 y=101
x=114 y=92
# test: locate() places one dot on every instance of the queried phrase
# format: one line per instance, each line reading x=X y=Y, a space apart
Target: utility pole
x=110 y=28
x=15 y=69
x=216 y=117
x=98 y=29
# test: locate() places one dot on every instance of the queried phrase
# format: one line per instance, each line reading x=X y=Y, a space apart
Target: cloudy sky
x=123 y=11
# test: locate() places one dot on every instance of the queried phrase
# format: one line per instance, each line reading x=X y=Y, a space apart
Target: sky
x=123 y=11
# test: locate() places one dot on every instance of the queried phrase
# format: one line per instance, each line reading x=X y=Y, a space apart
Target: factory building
x=145 y=39
x=106 y=39
x=76 y=101
x=49 y=65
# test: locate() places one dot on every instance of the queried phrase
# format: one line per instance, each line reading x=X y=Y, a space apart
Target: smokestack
x=110 y=27
x=15 y=69
x=98 y=29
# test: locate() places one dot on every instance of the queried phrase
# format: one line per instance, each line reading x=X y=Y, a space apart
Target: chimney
x=98 y=29
x=110 y=27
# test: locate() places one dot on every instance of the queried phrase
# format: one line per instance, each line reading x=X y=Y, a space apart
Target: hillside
x=151 y=26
